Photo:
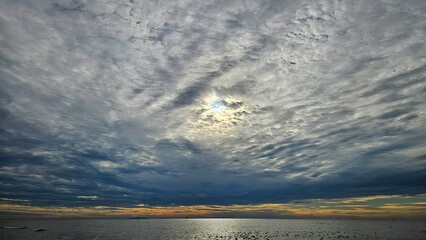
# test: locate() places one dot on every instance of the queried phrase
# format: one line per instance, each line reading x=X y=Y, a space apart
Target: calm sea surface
x=213 y=229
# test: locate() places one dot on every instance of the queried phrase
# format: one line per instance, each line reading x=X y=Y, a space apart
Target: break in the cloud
x=121 y=103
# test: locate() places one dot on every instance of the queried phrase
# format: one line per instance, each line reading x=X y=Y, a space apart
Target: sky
x=213 y=108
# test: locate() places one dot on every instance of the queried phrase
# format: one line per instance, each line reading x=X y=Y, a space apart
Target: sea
x=232 y=229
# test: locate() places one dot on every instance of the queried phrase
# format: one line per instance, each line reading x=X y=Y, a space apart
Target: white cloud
x=88 y=197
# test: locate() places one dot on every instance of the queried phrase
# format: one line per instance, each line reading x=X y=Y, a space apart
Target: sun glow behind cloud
x=220 y=115
x=217 y=105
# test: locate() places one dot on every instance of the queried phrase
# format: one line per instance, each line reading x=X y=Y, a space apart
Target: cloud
x=319 y=99
x=88 y=197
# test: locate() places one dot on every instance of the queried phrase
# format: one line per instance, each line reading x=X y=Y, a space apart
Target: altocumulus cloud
x=120 y=103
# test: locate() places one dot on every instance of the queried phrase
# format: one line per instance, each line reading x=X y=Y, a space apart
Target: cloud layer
x=372 y=207
x=123 y=103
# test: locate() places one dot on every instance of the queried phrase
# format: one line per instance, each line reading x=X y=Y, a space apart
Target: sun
x=217 y=105
x=219 y=114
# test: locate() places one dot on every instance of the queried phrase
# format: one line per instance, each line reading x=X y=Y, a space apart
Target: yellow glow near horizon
x=389 y=207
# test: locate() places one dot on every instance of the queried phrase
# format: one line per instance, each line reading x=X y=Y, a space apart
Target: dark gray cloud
x=162 y=103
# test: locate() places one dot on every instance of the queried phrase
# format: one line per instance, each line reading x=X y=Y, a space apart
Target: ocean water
x=213 y=229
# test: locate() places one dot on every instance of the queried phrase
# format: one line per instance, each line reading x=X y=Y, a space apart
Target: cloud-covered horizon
x=124 y=103
x=372 y=207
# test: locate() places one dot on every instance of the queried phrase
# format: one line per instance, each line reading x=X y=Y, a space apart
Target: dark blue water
x=213 y=229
